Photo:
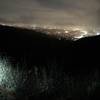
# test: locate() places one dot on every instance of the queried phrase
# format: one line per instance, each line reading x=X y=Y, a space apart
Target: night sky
x=50 y=12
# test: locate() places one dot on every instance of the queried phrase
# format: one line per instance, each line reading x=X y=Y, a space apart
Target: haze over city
x=50 y=12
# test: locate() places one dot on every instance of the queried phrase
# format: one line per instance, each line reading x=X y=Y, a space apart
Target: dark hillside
x=52 y=69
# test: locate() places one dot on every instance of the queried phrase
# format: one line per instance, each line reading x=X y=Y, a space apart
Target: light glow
x=98 y=33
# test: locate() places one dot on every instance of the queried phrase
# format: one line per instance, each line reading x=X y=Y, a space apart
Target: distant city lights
x=71 y=32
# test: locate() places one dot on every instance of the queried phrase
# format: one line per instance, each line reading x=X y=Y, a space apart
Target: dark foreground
x=35 y=66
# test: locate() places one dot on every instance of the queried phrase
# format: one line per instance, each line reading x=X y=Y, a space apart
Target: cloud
x=54 y=12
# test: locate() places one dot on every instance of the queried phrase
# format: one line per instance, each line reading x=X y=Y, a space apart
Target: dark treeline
x=55 y=69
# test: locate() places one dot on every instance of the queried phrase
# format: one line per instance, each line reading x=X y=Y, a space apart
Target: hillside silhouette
x=73 y=66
